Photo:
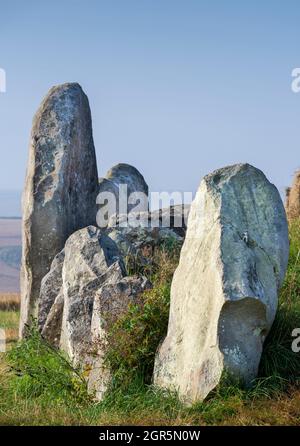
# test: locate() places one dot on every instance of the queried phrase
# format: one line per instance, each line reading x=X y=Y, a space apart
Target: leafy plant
x=133 y=339
x=42 y=371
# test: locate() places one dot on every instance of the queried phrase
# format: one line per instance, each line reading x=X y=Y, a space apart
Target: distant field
x=10 y=255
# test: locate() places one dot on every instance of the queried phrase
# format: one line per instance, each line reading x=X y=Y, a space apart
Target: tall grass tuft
x=40 y=371
x=278 y=359
x=135 y=336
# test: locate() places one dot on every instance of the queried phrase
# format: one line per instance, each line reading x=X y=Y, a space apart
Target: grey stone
x=173 y=217
x=51 y=330
x=60 y=189
x=143 y=240
x=224 y=292
x=50 y=287
x=122 y=175
x=91 y=259
x=111 y=302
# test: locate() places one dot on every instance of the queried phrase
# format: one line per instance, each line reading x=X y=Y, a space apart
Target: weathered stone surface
x=110 y=303
x=138 y=245
x=91 y=259
x=119 y=176
x=292 y=203
x=51 y=330
x=143 y=240
x=174 y=217
x=61 y=186
x=85 y=291
x=224 y=291
x=50 y=287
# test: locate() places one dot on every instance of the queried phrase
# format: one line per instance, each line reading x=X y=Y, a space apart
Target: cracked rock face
x=85 y=292
x=50 y=287
x=173 y=218
x=91 y=259
x=225 y=290
x=51 y=330
x=60 y=189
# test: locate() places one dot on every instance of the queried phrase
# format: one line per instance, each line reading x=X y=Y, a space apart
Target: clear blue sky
x=176 y=88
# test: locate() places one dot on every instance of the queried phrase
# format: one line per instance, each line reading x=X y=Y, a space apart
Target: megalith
x=60 y=189
x=224 y=292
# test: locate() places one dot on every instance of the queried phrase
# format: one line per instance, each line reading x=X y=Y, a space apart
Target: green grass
x=9 y=319
x=39 y=386
x=278 y=359
x=40 y=371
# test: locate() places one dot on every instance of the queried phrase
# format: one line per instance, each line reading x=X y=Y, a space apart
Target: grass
x=9 y=316
x=136 y=334
x=278 y=359
x=38 y=386
x=9 y=302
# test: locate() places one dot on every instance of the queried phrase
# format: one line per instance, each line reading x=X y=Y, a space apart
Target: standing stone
x=224 y=292
x=292 y=203
x=91 y=259
x=60 y=189
x=122 y=181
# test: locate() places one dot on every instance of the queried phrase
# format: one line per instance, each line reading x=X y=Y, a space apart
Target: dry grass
x=9 y=301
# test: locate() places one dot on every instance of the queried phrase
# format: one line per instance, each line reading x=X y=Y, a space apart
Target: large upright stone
x=60 y=189
x=224 y=291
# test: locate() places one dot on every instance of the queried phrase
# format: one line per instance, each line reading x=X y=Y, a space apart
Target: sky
x=176 y=88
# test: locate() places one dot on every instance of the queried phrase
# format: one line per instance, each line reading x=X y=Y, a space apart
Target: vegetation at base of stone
x=40 y=371
x=38 y=386
x=135 y=336
x=278 y=358
x=147 y=261
x=144 y=405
